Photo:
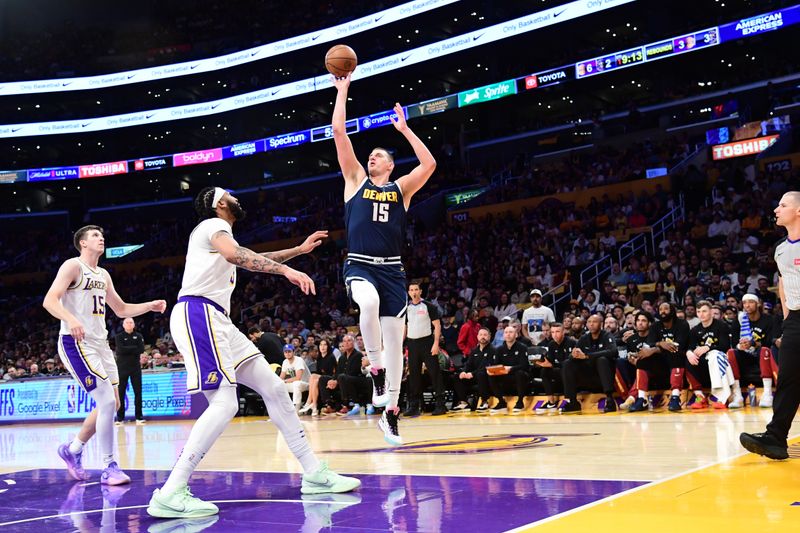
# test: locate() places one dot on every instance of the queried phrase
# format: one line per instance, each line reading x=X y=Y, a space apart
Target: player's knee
x=228 y=406
x=104 y=398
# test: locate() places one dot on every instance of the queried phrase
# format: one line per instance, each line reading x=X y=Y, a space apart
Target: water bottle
x=751 y=395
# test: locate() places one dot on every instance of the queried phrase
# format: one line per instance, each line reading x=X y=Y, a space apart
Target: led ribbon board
x=653 y=51
x=503 y=30
x=212 y=64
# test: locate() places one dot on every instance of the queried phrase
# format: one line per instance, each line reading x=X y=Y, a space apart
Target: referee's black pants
x=134 y=373
x=419 y=351
x=787 y=394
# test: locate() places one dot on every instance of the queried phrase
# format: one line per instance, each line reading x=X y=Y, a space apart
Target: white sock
x=222 y=406
x=642 y=394
x=737 y=388
x=699 y=394
x=257 y=375
x=392 y=328
x=767 y=386
x=76 y=446
x=108 y=458
x=676 y=392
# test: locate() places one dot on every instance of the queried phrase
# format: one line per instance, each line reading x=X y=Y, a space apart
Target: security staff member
x=423 y=329
x=772 y=443
x=129 y=346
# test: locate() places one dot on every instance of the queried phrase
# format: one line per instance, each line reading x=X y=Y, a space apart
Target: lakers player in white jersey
x=78 y=297
x=218 y=355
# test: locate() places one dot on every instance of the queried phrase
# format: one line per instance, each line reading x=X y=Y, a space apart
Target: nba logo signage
x=71 y=403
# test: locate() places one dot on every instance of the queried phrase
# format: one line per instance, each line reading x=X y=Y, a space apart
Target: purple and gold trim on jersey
x=246 y=358
x=77 y=362
x=210 y=370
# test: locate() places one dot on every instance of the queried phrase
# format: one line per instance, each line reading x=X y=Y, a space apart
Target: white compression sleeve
x=393 y=357
x=366 y=296
x=222 y=407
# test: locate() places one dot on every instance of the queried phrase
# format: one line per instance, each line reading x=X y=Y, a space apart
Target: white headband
x=218 y=193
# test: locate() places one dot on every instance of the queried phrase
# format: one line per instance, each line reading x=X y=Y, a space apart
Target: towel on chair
x=721 y=375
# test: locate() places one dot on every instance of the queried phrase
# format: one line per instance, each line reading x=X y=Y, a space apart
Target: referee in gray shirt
x=772 y=443
x=423 y=329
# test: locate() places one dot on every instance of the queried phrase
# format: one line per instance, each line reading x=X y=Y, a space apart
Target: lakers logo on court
x=483 y=444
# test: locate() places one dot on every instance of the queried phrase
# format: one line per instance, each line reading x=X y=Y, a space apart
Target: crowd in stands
x=485 y=274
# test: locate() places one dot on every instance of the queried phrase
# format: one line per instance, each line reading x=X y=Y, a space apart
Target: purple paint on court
x=384 y=503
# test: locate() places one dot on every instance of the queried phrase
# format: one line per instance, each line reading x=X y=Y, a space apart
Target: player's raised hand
x=400 y=122
x=158 y=306
x=302 y=280
x=312 y=241
x=343 y=82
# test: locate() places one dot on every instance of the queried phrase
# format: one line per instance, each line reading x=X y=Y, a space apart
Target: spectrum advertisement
x=163 y=394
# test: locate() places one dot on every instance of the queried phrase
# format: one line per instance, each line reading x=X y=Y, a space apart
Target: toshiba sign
x=103 y=169
x=743 y=148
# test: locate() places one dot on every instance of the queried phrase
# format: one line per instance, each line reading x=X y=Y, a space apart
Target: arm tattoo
x=281 y=256
x=249 y=260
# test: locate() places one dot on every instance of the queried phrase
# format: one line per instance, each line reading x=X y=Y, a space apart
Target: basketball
x=341 y=60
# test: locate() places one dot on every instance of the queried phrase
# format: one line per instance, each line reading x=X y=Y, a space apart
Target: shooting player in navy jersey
x=375 y=216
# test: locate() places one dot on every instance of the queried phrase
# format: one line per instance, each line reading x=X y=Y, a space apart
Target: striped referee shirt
x=419 y=318
x=787 y=256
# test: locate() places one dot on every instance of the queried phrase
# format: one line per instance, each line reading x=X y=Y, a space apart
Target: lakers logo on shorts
x=89 y=381
x=212 y=378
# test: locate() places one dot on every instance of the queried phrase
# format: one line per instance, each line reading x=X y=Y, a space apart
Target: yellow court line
x=743 y=493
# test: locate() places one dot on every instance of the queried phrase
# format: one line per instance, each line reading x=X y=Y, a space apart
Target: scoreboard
x=628 y=58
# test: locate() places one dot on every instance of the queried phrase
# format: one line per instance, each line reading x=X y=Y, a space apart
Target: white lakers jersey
x=86 y=300
x=207 y=273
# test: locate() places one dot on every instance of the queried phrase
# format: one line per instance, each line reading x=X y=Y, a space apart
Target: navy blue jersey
x=375 y=218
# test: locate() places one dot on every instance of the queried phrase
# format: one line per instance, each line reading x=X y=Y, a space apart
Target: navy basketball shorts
x=388 y=280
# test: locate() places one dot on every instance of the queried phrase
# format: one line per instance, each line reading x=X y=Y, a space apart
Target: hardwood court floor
x=463 y=472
